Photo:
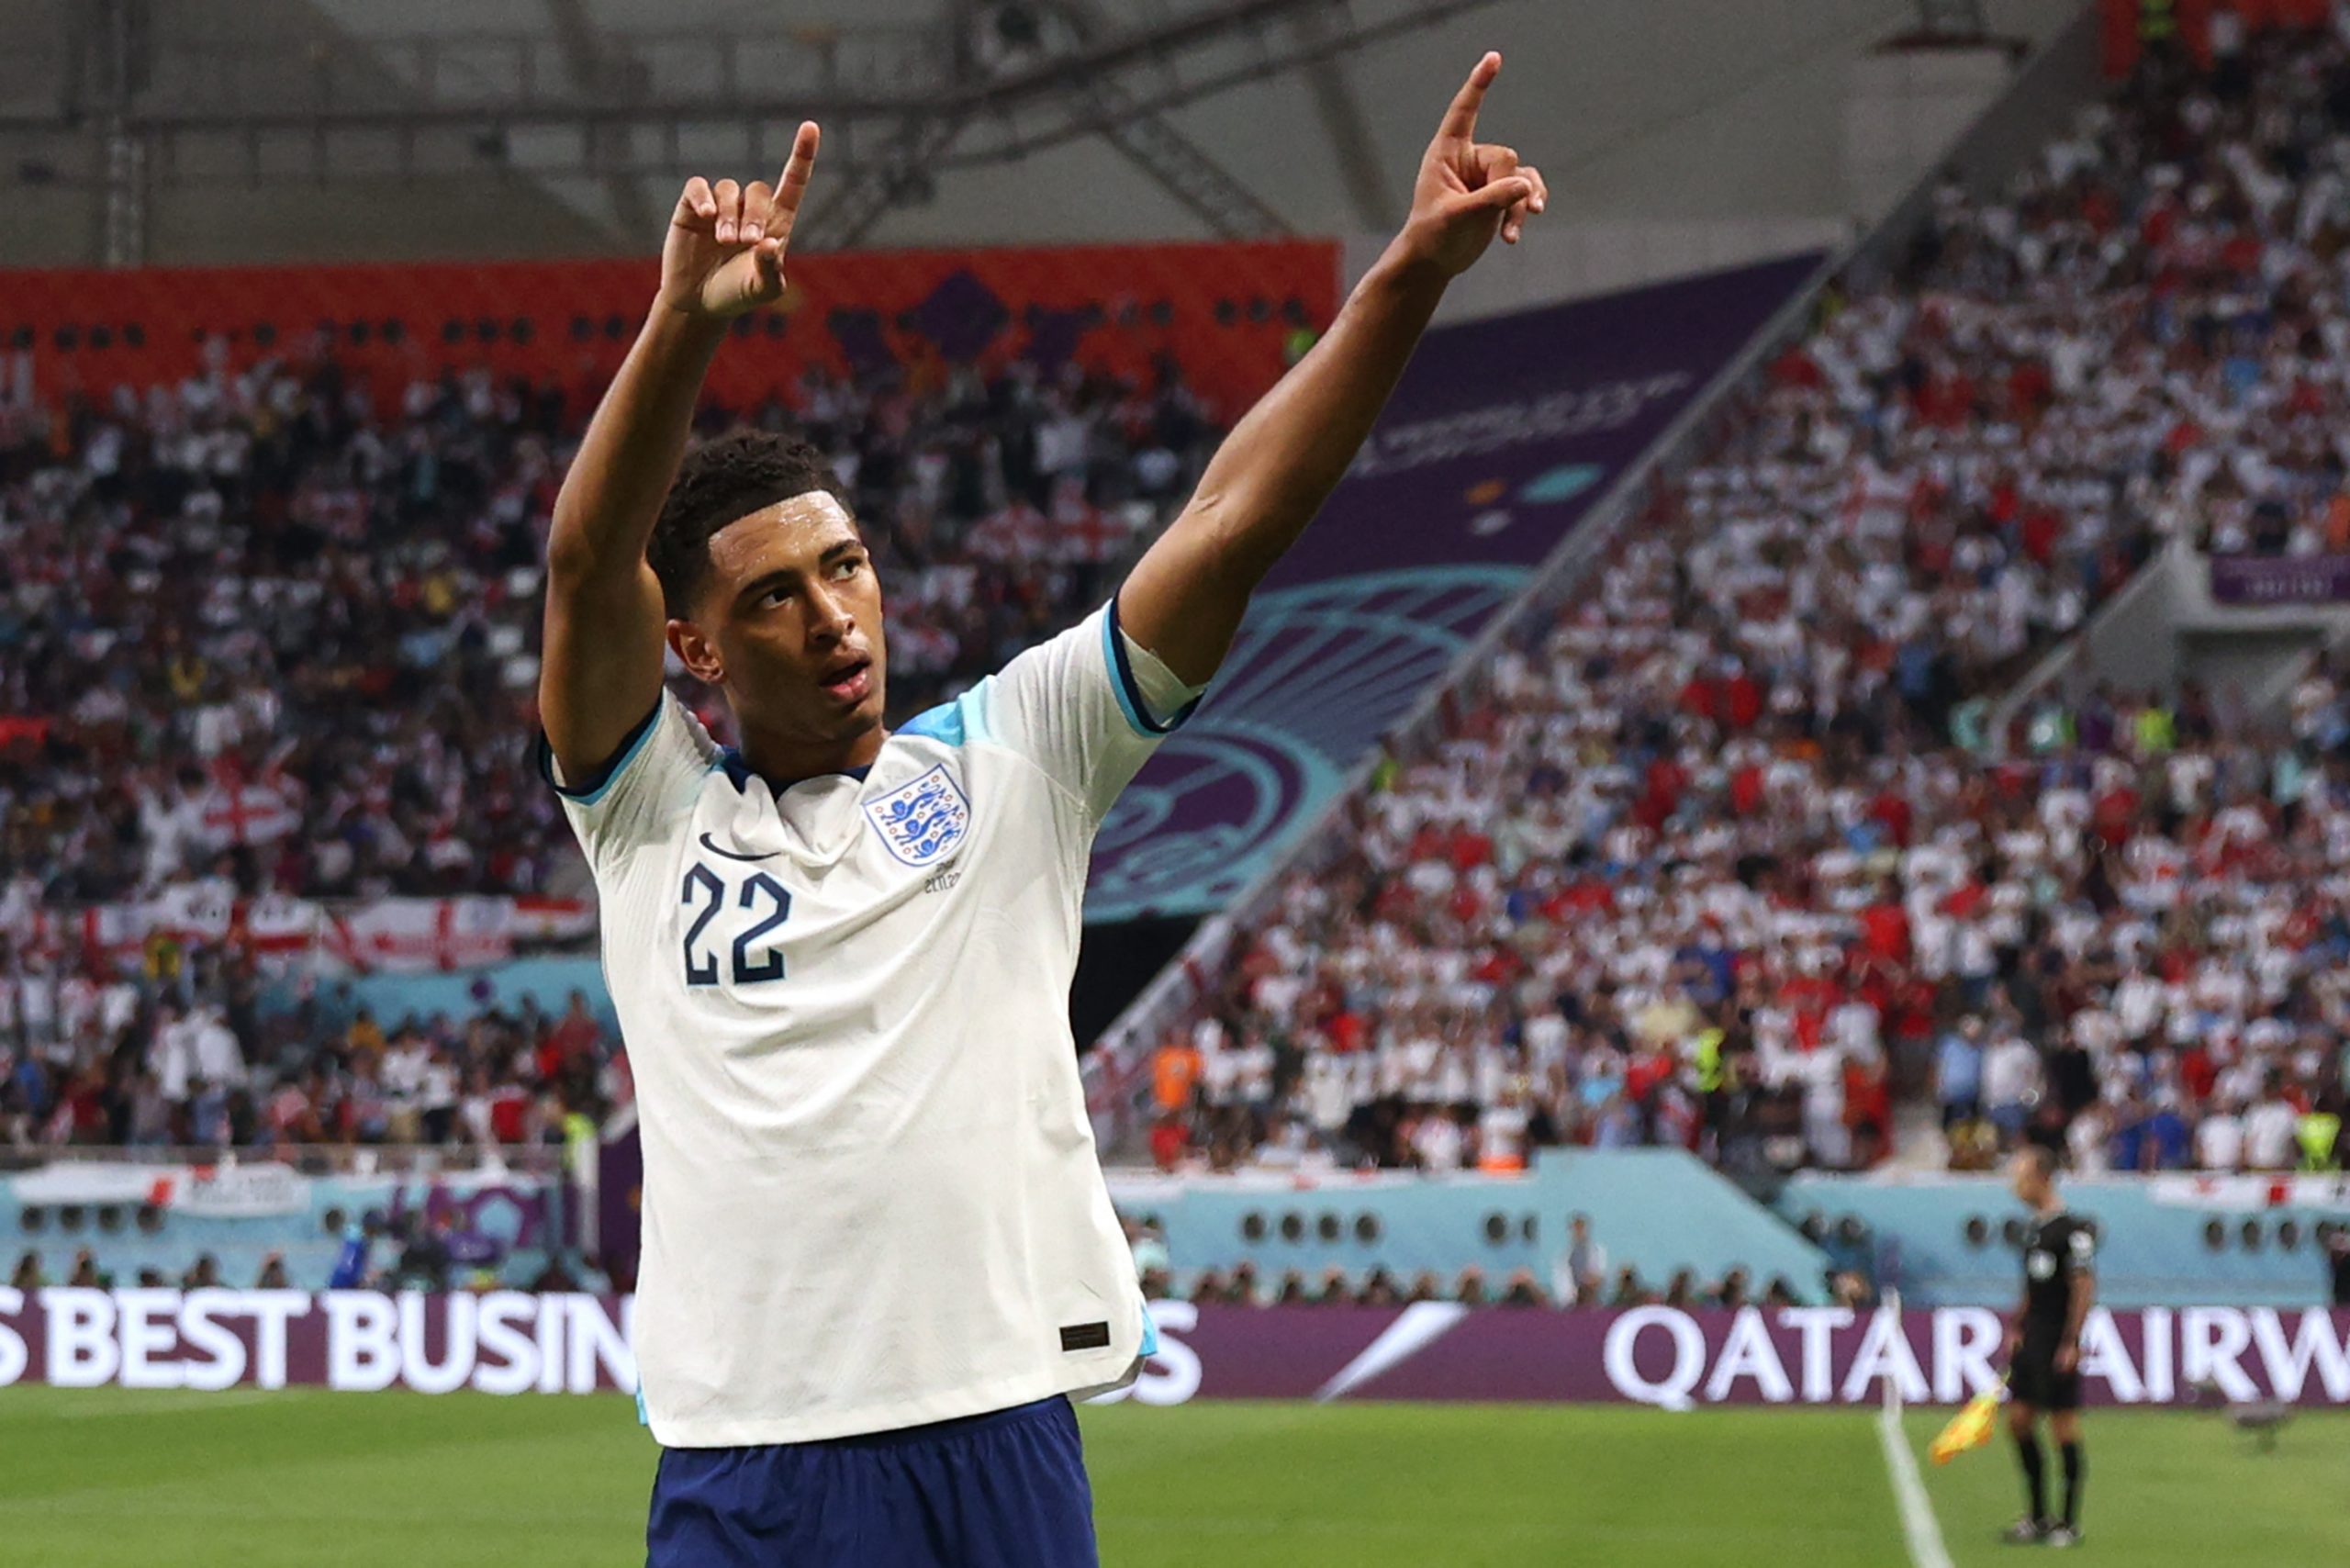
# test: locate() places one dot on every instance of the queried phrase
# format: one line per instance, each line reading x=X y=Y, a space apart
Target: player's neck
x=2048 y=1208
x=783 y=762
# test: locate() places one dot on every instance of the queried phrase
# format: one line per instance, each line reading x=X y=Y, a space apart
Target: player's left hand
x=2067 y=1358
x=1468 y=191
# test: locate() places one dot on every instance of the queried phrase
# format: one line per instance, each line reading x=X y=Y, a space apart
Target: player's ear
x=697 y=653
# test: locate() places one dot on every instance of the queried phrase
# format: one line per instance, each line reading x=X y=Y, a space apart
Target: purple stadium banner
x=505 y=1342
x=1527 y=415
x=1662 y=1356
x=1500 y=439
x=619 y=1200
x=2280 y=579
x=501 y=1342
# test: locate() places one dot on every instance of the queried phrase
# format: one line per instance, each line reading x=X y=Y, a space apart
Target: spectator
x=1242 y=1288
x=436 y=1096
x=557 y=1278
x=1438 y=1142
x=1175 y=1074
x=2010 y=1085
x=1734 y=1291
x=2269 y=1128
x=2220 y=1138
x=2088 y=1140
x=1681 y=1290
x=210 y=1125
x=1577 y=1278
x=1153 y=1266
x=1168 y=1143
x=2320 y=1135
x=1850 y=1288
x=1958 y=1071
x=357 y=1242
x=425 y=1255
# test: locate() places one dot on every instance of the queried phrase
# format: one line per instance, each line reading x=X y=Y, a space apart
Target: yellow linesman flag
x=1970 y=1428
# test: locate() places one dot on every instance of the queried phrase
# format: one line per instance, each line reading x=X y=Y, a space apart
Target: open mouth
x=849 y=680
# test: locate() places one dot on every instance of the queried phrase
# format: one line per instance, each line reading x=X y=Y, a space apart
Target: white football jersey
x=871 y=1196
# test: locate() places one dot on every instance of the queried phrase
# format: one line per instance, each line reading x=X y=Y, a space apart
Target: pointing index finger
x=792 y=184
x=1460 y=119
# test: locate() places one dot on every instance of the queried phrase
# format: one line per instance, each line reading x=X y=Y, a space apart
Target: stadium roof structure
x=135 y=132
x=978 y=82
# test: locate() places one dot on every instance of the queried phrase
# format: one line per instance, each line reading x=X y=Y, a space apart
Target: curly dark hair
x=721 y=480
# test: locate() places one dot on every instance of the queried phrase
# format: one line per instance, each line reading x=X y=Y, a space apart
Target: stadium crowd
x=312 y=611
x=1723 y=856
x=1726 y=851
x=266 y=631
x=205 y=1055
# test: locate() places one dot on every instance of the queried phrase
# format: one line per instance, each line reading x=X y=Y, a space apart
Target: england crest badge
x=924 y=820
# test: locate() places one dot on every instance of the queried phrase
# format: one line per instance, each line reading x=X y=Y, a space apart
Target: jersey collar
x=738 y=772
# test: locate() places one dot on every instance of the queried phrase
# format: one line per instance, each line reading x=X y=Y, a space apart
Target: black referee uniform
x=2059 y=1259
x=2057 y=1251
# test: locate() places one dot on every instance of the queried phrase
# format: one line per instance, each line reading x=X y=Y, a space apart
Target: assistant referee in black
x=2045 y=1348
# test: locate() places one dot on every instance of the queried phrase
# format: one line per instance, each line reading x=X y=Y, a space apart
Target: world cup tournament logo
x=923 y=821
x=1318 y=673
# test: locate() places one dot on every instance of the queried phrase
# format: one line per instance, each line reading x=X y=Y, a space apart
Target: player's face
x=2024 y=1178
x=793 y=613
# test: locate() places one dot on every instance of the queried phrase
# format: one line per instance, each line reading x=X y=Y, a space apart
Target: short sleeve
x=2080 y=1251
x=644 y=791
x=1077 y=708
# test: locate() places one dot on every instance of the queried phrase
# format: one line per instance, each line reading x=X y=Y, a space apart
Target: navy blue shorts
x=1006 y=1490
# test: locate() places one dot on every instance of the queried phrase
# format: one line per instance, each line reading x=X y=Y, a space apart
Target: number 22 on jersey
x=706 y=891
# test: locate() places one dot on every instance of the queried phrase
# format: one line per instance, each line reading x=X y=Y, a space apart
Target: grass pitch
x=305 y=1479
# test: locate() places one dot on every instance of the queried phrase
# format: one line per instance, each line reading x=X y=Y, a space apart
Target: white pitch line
x=1918 y=1526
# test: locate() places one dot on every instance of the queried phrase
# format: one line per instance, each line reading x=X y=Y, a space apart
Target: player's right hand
x=1468 y=191
x=725 y=253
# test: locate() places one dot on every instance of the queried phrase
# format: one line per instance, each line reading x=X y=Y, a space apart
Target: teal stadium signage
x=1502 y=437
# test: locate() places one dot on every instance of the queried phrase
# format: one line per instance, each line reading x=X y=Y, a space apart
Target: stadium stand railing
x=428 y=1160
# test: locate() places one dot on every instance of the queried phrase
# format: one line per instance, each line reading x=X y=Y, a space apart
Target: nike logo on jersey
x=731 y=855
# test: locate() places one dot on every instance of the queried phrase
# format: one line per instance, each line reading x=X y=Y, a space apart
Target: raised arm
x=605 y=621
x=1184 y=598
